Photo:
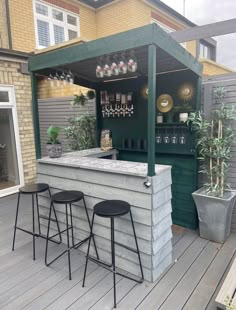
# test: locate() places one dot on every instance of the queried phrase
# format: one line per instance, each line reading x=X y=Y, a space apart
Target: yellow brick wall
x=9 y=75
x=191 y=47
x=212 y=68
x=3 y=26
x=22 y=25
x=48 y=89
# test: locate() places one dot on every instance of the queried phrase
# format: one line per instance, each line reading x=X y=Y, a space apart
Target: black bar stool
x=111 y=209
x=34 y=190
x=67 y=198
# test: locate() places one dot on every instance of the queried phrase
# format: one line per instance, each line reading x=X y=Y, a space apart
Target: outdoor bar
x=152 y=164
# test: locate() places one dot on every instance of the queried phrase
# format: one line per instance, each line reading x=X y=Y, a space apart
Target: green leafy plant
x=183 y=108
x=81 y=132
x=214 y=139
x=52 y=134
x=80 y=99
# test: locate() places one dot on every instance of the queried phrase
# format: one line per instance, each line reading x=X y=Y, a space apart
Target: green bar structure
x=151 y=108
x=35 y=115
x=199 y=93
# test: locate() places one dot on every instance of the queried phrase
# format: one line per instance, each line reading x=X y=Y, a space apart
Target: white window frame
x=166 y=28
x=51 y=21
x=11 y=104
x=206 y=51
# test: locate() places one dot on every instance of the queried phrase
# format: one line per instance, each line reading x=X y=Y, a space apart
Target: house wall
x=212 y=68
x=10 y=75
x=3 y=26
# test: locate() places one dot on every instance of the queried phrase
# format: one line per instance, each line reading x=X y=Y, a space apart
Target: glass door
x=11 y=171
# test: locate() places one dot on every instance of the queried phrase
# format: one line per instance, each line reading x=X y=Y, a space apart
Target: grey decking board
x=190 y=280
x=139 y=293
x=206 y=288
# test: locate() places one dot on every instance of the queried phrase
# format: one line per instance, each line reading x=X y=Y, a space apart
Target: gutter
x=8 y=24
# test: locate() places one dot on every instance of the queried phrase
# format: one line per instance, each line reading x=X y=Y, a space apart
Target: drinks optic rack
x=116 y=105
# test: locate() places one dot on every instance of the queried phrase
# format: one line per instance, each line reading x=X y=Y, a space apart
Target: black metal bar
x=33 y=226
x=130 y=278
x=46 y=218
x=55 y=214
x=87 y=256
x=37 y=203
x=47 y=239
x=86 y=210
x=17 y=211
x=100 y=262
x=72 y=228
x=68 y=241
x=126 y=247
x=113 y=258
x=48 y=264
x=78 y=244
x=136 y=242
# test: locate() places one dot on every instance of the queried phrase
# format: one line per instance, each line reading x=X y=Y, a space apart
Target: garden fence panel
x=209 y=102
x=56 y=111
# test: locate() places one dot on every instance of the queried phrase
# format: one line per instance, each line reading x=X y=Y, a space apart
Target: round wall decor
x=186 y=92
x=164 y=103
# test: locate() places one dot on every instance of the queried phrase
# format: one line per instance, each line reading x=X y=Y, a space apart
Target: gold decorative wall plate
x=186 y=92
x=164 y=103
x=144 y=91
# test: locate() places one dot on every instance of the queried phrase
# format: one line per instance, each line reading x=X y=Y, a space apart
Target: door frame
x=12 y=105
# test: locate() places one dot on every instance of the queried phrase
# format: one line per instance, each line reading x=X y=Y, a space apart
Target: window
x=205 y=51
x=54 y=25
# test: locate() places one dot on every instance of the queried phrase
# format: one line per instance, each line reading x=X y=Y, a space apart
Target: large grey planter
x=214 y=215
x=54 y=150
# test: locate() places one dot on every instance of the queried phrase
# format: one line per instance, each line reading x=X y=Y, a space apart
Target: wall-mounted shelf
x=132 y=150
x=174 y=124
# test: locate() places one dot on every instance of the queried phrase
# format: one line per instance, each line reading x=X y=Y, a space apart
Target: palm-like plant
x=214 y=140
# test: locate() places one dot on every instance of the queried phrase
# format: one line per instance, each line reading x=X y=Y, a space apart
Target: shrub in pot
x=54 y=146
x=214 y=200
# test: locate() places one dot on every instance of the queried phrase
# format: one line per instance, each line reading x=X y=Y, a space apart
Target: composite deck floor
x=190 y=283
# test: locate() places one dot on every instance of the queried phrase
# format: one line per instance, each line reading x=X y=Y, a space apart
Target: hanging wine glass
x=51 y=80
x=57 y=79
x=123 y=64
x=132 y=63
x=114 y=66
x=174 y=137
x=71 y=79
x=182 y=138
x=107 y=66
x=63 y=78
x=99 y=69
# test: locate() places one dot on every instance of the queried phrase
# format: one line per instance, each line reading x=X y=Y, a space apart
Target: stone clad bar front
x=102 y=179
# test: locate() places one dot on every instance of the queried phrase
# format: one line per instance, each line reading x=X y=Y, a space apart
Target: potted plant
x=183 y=110
x=214 y=138
x=54 y=146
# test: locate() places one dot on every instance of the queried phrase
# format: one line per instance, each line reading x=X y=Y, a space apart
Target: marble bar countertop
x=91 y=159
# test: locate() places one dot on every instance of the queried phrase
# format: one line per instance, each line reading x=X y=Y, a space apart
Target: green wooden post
x=151 y=108
x=35 y=115
x=199 y=93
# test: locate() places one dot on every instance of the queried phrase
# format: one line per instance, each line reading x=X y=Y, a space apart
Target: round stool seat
x=34 y=188
x=67 y=197
x=110 y=208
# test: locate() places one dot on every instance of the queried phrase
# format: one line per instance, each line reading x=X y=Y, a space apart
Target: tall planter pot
x=214 y=215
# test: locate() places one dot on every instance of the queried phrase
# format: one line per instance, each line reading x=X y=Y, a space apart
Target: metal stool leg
x=86 y=210
x=37 y=203
x=113 y=258
x=17 y=211
x=48 y=230
x=72 y=227
x=136 y=242
x=68 y=241
x=87 y=256
x=33 y=226
x=55 y=214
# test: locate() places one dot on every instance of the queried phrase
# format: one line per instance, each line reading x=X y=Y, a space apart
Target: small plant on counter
x=54 y=146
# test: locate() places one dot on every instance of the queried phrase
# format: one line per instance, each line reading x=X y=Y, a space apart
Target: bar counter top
x=92 y=159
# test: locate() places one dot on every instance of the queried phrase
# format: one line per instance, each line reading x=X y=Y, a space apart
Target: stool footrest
x=80 y=243
x=126 y=247
x=47 y=218
x=106 y=266
x=38 y=235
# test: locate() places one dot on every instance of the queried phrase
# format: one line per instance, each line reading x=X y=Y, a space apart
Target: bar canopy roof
x=82 y=59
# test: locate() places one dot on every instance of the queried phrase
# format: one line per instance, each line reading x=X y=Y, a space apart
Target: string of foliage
x=214 y=140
